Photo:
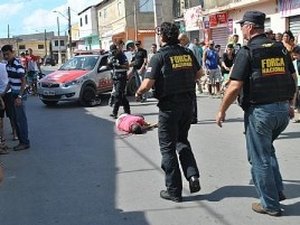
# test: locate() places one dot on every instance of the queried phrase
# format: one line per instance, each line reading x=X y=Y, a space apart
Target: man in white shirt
x=3 y=85
x=3 y=76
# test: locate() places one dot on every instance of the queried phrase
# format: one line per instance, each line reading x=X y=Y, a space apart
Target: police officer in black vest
x=264 y=78
x=119 y=64
x=173 y=72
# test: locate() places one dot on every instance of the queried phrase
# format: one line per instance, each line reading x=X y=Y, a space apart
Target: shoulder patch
x=267 y=45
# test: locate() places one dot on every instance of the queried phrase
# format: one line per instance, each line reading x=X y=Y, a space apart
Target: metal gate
x=220 y=37
x=294 y=25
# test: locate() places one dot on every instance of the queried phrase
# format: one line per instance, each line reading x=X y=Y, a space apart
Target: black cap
x=112 y=47
x=230 y=46
x=256 y=17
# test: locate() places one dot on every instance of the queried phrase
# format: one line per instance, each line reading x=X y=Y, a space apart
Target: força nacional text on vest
x=180 y=61
x=273 y=66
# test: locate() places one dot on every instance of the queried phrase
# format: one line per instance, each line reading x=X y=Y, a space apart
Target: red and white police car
x=82 y=78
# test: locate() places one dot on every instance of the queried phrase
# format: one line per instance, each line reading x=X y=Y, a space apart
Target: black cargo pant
x=120 y=80
x=195 y=108
x=173 y=127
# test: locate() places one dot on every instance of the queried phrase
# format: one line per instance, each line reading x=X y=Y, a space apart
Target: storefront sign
x=213 y=21
x=218 y=19
x=222 y=18
x=193 y=18
x=206 y=24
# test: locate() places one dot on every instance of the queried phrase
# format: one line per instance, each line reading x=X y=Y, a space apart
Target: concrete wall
x=278 y=24
x=21 y=45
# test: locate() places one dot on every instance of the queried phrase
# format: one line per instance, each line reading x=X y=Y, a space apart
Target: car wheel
x=131 y=86
x=88 y=96
x=50 y=103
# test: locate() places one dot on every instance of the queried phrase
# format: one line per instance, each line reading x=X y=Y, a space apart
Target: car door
x=104 y=82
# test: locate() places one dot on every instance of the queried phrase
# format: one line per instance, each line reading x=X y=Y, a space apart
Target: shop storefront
x=217 y=28
x=294 y=25
x=290 y=9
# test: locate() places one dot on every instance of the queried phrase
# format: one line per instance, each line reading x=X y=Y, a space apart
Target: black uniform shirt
x=154 y=70
x=241 y=69
x=139 y=57
x=156 y=64
x=228 y=62
x=242 y=64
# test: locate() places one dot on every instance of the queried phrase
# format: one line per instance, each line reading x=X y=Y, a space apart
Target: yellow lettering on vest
x=172 y=60
x=273 y=66
x=181 y=61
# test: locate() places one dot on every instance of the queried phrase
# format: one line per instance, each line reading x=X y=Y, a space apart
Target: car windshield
x=80 y=63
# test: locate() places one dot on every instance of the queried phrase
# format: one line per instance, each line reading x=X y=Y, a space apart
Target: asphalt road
x=81 y=171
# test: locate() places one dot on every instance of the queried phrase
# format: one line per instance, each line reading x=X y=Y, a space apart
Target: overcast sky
x=31 y=16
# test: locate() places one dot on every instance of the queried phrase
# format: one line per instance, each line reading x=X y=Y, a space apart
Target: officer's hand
x=291 y=112
x=138 y=97
x=220 y=118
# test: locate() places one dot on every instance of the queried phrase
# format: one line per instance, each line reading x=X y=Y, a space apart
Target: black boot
x=165 y=195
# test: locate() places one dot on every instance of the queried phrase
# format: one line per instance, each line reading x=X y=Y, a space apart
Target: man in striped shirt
x=17 y=84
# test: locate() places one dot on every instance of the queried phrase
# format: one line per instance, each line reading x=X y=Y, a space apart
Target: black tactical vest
x=270 y=80
x=177 y=74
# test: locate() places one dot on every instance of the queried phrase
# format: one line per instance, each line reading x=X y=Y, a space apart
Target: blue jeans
x=263 y=124
x=137 y=77
x=20 y=120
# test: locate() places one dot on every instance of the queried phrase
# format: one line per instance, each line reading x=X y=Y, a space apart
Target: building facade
x=126 y=20
x=221 y=16
x=59 y=48
x=40 y=43
x=88 y=29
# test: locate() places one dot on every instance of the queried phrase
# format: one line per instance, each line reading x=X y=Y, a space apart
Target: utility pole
x=135 y=20
x=45 y=39
x=7 y=30
x=157 y=6
x=70 y=32
x=58 y=35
